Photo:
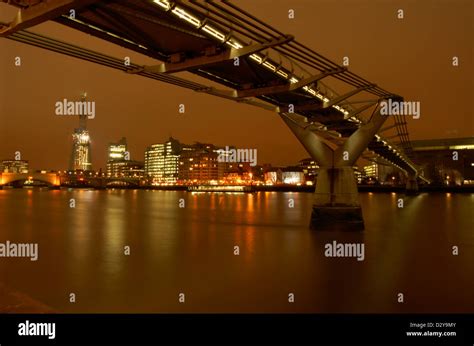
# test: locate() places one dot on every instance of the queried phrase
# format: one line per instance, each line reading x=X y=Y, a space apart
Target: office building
x=162 y=162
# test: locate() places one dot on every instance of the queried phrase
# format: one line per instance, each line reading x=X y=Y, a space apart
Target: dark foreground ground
x=15 y=302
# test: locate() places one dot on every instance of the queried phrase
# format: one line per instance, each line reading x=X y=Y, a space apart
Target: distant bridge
x=112 y=182
x=55 y=179
x=273 y=71
x=50 y=179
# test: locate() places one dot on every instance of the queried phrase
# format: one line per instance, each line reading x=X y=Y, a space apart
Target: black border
x=220 y=329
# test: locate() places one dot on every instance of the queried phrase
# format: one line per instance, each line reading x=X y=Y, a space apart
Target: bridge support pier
x=336 y=201
x=412 y=185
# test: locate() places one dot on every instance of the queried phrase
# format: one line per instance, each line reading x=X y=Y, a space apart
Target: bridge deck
x=204 y=38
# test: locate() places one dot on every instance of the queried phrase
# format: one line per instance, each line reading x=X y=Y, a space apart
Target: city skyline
x=126 y=155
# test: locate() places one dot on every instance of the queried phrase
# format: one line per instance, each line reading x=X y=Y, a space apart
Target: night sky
x=411 y=57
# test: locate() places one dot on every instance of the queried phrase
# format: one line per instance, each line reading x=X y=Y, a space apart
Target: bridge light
x=233 y=43
x=269 y=66
x=181 y=13
x=283 y=74
x=210 y=30
x=354 y=119
x=293 y=80
x=256 y=58
x=163 y=3
x=186 y=16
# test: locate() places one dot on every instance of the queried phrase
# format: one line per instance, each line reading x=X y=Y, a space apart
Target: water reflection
x=191 y=249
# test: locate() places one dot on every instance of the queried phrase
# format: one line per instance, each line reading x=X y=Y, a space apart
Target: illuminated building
x=371 y=170
x=258 y=172
x=370 y=174
x=161 y=162
x=285 y=175
x=358 y=175
x=241 y=173
x=199 y=163
x=173 y=162
x=125 y=169
x=14 y=166
x=310 y=168
x=118 y=151
x=273 y=176
x=236 y=176
x=223 y=166
x=81 y=156
x=117 y=157
x=292 y=176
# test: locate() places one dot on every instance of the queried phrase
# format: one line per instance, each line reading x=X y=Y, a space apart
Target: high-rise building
x=117 y=157
x=161 y=162
x=118 y=151
x=173 y=162
x=81 y=156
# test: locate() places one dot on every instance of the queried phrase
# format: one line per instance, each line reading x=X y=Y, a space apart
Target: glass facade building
x=162 y=162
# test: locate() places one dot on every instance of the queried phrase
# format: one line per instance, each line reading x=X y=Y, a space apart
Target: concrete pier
x=336 y=201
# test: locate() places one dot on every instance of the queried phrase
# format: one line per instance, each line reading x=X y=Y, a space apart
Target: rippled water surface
x=191 y=250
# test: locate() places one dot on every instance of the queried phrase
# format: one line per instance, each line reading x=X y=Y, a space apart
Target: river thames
x=191 y=250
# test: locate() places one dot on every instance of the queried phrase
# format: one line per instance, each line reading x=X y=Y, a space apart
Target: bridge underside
x=255 y=64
